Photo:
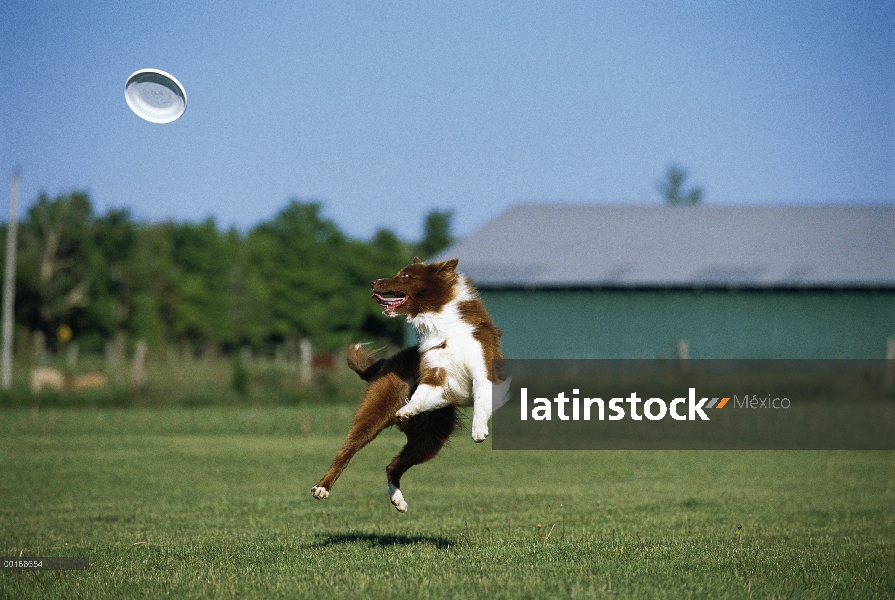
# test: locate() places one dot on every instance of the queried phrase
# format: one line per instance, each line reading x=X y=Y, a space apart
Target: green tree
x=303 y=278
x=295 y=276
x=151 y=270
x=304 y=261
x=249 y=302
x=114 y=236
x=436 y=233
x=672 y=188
x=60 y=268
x=202 y=258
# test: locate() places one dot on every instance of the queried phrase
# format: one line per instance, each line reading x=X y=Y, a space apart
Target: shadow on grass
x=381 y=540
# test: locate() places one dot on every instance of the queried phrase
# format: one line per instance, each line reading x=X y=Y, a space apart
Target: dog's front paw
x=397 y=498
x=405 y=412
x=479 y=433
x=320 y=492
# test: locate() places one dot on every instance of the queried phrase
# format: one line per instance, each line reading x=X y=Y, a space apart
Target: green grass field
x=215 y=502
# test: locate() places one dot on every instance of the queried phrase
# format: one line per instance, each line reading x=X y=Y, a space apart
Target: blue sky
x=386 y=111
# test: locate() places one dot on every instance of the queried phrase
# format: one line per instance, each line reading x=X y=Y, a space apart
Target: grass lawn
x=215 y=502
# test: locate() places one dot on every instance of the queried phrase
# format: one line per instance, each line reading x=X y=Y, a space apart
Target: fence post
x=245 y=355
x=138 y=372
x=307 y=360
x=71 y=354
x=40 y=348
x=115 y=351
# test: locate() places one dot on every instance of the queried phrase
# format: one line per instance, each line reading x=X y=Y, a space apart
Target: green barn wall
x=609 y=323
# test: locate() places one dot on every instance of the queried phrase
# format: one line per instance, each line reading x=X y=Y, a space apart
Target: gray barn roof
x=663 y=246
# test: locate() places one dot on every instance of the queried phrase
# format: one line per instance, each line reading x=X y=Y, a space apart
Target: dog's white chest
x=460 y=359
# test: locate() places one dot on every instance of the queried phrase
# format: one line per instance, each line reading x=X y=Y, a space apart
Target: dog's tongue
x=381 y=300
x=389 y=303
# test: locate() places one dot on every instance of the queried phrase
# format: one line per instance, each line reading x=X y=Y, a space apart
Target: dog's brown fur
x=391 y=382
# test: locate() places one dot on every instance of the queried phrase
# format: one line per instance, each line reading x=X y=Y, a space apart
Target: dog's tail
x=363 y=362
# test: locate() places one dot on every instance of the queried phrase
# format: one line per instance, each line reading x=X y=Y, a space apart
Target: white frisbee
x=155 y=96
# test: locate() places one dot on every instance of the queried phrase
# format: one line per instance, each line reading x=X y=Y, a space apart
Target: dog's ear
x=416 y=260
x=449 y=265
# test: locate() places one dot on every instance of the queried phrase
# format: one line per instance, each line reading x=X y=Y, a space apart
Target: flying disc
x=155 y=96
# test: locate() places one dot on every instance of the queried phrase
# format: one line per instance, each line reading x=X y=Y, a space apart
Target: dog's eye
x=405 y=275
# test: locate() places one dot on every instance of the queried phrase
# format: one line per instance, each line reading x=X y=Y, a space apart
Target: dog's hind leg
x=426 y=434
x=376 y=412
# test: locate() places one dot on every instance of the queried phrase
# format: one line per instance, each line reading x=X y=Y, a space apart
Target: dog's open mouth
x=390 y=301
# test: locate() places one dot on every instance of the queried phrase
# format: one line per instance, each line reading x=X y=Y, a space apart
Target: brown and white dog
x=419 y=388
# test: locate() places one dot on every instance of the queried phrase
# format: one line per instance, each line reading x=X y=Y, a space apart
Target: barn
x=591 y=281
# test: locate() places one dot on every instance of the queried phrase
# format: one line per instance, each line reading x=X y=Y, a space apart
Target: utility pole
x=9 y=282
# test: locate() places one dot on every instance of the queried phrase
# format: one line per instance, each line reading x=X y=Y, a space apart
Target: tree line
x=296 y=276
